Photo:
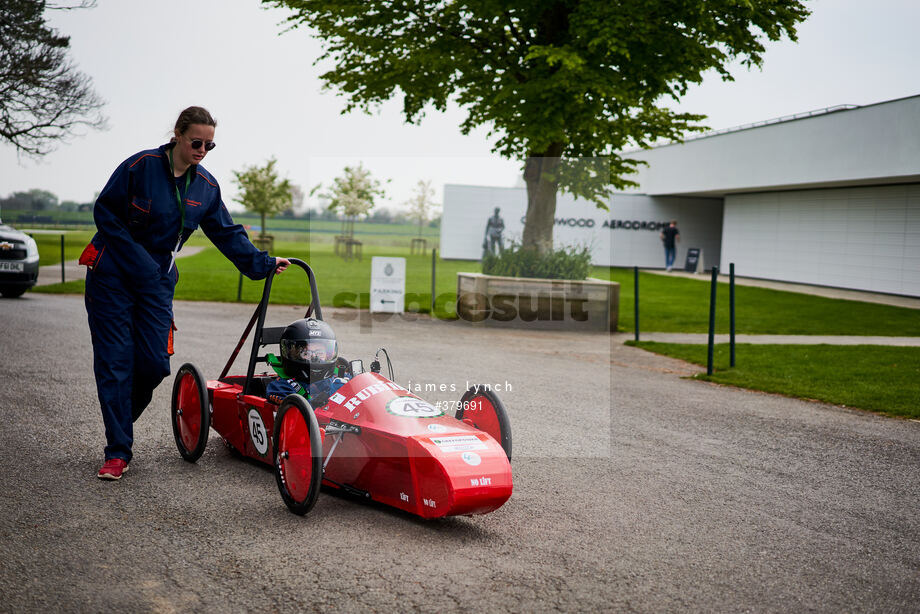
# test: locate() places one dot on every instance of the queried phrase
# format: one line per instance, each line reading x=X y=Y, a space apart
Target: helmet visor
x=309 y=350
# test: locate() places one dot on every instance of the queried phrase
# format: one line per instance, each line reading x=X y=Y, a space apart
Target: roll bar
x=263 y=336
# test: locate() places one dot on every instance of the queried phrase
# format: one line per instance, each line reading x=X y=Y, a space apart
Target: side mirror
x=357 y=367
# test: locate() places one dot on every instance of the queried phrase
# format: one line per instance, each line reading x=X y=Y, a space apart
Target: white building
x=827 y=198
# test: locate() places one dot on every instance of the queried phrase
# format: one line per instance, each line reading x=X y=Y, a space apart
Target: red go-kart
x=374 y=439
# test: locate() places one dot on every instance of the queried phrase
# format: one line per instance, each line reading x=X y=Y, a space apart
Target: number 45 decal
x=257 y=432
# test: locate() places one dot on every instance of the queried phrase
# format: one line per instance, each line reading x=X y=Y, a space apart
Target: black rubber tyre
x=298 y=454
x=485 y=411
x=12 y=291
x=191 y=414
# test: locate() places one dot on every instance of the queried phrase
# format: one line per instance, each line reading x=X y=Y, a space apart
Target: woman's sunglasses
x=197 y=143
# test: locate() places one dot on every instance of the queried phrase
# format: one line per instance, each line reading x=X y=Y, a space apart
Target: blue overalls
x=317 y=393
x=130 y=283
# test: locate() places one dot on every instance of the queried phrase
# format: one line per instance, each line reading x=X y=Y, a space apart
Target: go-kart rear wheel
x=484 y=410
x=191 y=416
x=298 y=454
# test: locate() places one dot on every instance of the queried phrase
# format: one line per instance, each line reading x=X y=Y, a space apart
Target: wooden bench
x=340 y=241
x=352 y=249
x=418 y=245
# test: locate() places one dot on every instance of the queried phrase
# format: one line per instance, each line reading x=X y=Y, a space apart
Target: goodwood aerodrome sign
x=583 y=222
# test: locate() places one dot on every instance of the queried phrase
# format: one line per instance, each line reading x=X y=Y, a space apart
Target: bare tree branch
x=79 y=4
x=44 y=100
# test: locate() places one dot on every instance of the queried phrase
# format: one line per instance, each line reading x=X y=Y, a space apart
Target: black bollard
x=434 y=258
x=731 y=311
x=636 y=299
x=712 y=318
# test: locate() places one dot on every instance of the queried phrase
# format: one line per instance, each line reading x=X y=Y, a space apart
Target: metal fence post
x=636 y=299
x=434 y=259
x=712 y=318
x=62 y=258
x=731 y=311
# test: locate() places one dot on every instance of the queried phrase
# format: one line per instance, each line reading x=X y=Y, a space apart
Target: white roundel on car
x=257 y=432
x=471 y=458
x=412 y=407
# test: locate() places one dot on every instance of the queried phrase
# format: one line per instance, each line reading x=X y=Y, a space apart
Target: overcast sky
x=149 y=59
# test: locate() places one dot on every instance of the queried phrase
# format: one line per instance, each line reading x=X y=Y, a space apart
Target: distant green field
x=54 y=218
x=285 y=229
x=289 y=231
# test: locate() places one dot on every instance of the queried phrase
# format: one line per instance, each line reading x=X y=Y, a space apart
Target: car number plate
x=16 y=267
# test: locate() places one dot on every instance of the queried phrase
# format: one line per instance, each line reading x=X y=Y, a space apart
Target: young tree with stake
x=353 y=194
x=262 y=191
x=422 y=205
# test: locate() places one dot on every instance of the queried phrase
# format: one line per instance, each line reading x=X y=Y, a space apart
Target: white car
x=18 y=262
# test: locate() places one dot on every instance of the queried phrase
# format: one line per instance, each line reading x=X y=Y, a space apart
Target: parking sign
x=388 y=284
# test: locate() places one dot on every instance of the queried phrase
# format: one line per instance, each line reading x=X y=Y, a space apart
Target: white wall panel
x=616 y=237
x=865 y=238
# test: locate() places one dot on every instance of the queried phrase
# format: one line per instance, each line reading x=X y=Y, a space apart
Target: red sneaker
x=112 y=469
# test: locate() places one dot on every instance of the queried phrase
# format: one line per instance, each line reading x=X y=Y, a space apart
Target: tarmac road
x=635 y=489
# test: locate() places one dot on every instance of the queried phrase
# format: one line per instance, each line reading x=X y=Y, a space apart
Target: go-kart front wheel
x=483 y=409
x=191 y=416
x=298 y=454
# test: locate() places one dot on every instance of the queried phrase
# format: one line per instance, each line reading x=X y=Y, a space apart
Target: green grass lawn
x=681 y=305
x=878 y=378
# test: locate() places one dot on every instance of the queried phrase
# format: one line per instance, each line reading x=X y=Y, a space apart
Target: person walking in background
x=670 y=236
x=150 y=206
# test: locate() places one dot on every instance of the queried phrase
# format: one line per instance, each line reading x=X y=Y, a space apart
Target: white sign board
x=388 y=285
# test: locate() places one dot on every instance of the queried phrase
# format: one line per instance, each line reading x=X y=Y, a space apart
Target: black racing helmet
x=308 y=350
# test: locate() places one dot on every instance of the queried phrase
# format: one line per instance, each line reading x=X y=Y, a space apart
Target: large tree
x=43 y=98
x=562 y=85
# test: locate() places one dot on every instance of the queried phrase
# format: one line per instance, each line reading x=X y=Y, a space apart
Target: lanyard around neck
x=180 y=204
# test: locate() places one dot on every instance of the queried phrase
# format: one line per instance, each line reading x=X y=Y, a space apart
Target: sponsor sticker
x=437 y=428
x=459 y=443
x=471 y=458
x=412 y=407
x=365 y=393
